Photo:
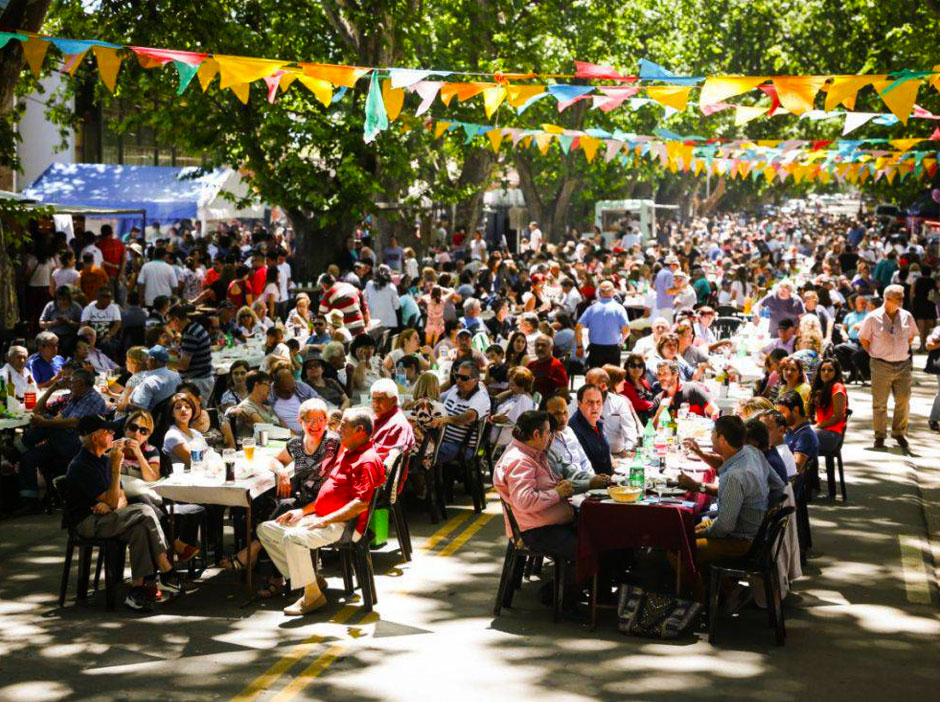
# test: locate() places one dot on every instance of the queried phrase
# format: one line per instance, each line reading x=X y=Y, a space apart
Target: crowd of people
x=387 y=348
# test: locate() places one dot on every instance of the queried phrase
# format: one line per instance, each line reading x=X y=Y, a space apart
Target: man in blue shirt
x=800 y=436
x=666 y=288
x=159 y=383
x=46 y=363
x=608 y=325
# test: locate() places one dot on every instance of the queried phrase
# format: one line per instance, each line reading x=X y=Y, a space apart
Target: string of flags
x=604 y=87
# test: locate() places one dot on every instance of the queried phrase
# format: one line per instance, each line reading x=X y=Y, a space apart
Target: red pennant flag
x=936 y=134
x=821 y=144
x=770 y=90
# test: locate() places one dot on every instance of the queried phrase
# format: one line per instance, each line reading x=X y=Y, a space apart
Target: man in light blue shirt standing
x=666 y=289
x=607 y=324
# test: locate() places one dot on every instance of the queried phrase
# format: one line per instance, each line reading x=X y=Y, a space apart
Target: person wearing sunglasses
x=636 y=387
x=466 y=402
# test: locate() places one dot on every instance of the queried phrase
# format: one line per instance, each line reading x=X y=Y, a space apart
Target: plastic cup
x=249 y=446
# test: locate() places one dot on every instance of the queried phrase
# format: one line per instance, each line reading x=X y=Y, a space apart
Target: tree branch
x=346 y=30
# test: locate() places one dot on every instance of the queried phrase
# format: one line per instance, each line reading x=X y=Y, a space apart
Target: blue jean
x=448 y=452
x=557 y=540
x=49 y=449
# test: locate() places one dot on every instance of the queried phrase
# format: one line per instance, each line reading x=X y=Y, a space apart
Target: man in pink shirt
x=392 y=431
x=538 y=499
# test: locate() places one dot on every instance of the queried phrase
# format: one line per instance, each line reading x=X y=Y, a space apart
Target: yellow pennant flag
x=337 y=76
x=109 y=63
x=207 y=71
x=673 y=167
x=34 y=49
x=900 y=99
x=393 y=98
x=934 y=80
x=718 y=88
x=440 y=128
x=553 y=129
x=492 y=98
x=769 y=174
x=463 y=91
x=286 y=80
x=589 y=146
x=543 y=141
x=526 y=142
x=844 y=89
x=496 y=138
x=699 y=165
x=322 y=89
x=234 y=70
x=746 y=113
x=674 y=96
x=518 y=95
x=797 y=93
x=904 y=144
x=241 y=92
x=890 y=174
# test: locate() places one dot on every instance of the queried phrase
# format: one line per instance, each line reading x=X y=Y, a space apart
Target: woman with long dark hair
x=516 y=350
x=637 y=389
x=828 y=405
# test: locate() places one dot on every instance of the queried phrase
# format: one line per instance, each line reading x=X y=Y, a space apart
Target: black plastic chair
x=395 y=469
x=725 y=327
x=835 y=459
x=727 y=311
x=468 y=463
x=760 y=560
x=798 y=482
x=433 y=480
x=111 y=552
x=518 y=555
x=356 y=558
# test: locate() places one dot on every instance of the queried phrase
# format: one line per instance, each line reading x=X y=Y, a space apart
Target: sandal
x=272 y=589
x=231 y=563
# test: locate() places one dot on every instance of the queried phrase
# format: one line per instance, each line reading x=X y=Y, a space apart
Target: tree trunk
x=477 y=168
x=25 y=15
x=316 y=248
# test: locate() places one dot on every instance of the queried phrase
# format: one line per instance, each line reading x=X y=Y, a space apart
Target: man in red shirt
x=353 y=477
x=392 y=431
x=112 y=253
x=549 y=372
x=259 y=275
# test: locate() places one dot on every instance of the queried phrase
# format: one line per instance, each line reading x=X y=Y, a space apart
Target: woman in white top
x=65 y=274
x=741 y=288
x=271 y=294
x=39 y=267
x=248 y=327
x=519 y=400
x=260 y=308
x=382 y=298
x=298 y=321
x=180 y=436
x=136 y=363
x=408 y=343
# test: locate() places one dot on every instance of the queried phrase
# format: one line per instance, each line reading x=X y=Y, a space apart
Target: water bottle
x=401 y=380
x=637 y=473
x=197 y=455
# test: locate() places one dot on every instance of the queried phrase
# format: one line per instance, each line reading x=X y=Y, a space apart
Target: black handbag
x=654 y=615
x=933 y=362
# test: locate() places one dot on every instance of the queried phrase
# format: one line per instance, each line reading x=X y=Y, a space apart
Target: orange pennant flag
x=844 y=89
x=518 y=95
x=234 y=70
x=393 y=98
x=34 y=49
x=440 y=128
x=718 y=88
x=207 y=71
x=338 y=76
x=496 y=138
x=900 y=99
x=904 y=144
x=589 y=146
x=463 y=91
x=321 y=89
x=241 y=91
x=492 y=98
x=109 y=63
x=797 y=93
x=674 y=96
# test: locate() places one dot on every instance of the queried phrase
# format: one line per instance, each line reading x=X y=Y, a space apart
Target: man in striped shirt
x=195 y=360
x=337 y=295
x=465 y=403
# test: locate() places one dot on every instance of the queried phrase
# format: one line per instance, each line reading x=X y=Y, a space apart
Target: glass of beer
x=249 y=446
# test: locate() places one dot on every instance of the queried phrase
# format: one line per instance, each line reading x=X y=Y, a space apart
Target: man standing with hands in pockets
x=886 y=334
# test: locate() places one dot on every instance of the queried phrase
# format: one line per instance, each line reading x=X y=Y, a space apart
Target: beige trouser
x=887 y=379
x=289 y=547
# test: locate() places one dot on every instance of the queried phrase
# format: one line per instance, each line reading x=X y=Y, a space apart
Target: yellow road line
x=445 y=530
x=308 y=674
x=478 y=524
x=916 y=584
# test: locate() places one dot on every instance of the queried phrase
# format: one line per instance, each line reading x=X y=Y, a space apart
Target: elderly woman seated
x=312 y=454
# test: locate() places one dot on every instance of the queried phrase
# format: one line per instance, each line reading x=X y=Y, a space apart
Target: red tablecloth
x=608 y=526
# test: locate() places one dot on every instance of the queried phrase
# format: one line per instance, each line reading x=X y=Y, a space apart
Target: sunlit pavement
x=861 y=623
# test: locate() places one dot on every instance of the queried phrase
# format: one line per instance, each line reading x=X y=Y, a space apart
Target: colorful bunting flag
x=109 y=63
x=393 y=98
x=376 y=119
x=718 y=88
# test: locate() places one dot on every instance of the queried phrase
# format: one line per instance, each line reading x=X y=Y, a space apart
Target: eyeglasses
x=463 y=377
x=635 y=365
x=137 y=429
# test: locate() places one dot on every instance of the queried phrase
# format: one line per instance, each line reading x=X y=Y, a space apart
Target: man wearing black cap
x=159 y=383
x=786 y=337
x=96 y=506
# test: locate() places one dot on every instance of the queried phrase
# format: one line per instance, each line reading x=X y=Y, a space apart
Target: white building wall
x=40 y=137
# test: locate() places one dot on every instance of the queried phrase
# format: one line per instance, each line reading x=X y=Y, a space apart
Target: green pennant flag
x=564 y=141
x=186 y=72
x=376 y=117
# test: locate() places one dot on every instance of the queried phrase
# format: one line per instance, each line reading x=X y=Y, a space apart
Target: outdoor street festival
x=490 y=350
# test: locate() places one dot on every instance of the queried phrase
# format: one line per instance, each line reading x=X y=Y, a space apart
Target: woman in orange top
x=828 y=405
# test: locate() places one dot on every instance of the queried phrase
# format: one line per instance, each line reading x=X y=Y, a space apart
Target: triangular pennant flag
x=613 y=148
x=653 y=71
x=35 y=51
x=592 y=70
x=899 y=96
x=186 y=73
x=470 y=131
x=7 y=37
x=564 y=141
x=440 y=128
x=242 y=91
x=337 y=96
x=797 y=93
x=531 y=101
x=496 y=138
x=935 y=135
x=376 y=119
x=854 y=120
x=746 y=113
x=844 y=89
x=589 y=146
x=235 y=70
x=72 y=62
x=904 y=144
x=463 y=91
x=492 y=99
x=543 y=141
x=428 y=90
x=718 y=88
x=207 y=71
x=74 y=47
x=405 y=78
x=676 y=97
x=162 y=57
x=273 y=81
x=321 y=89
x=337 y=76
x=393 y=98
x=109 y=63
x=518 y=95
x=568 y=93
